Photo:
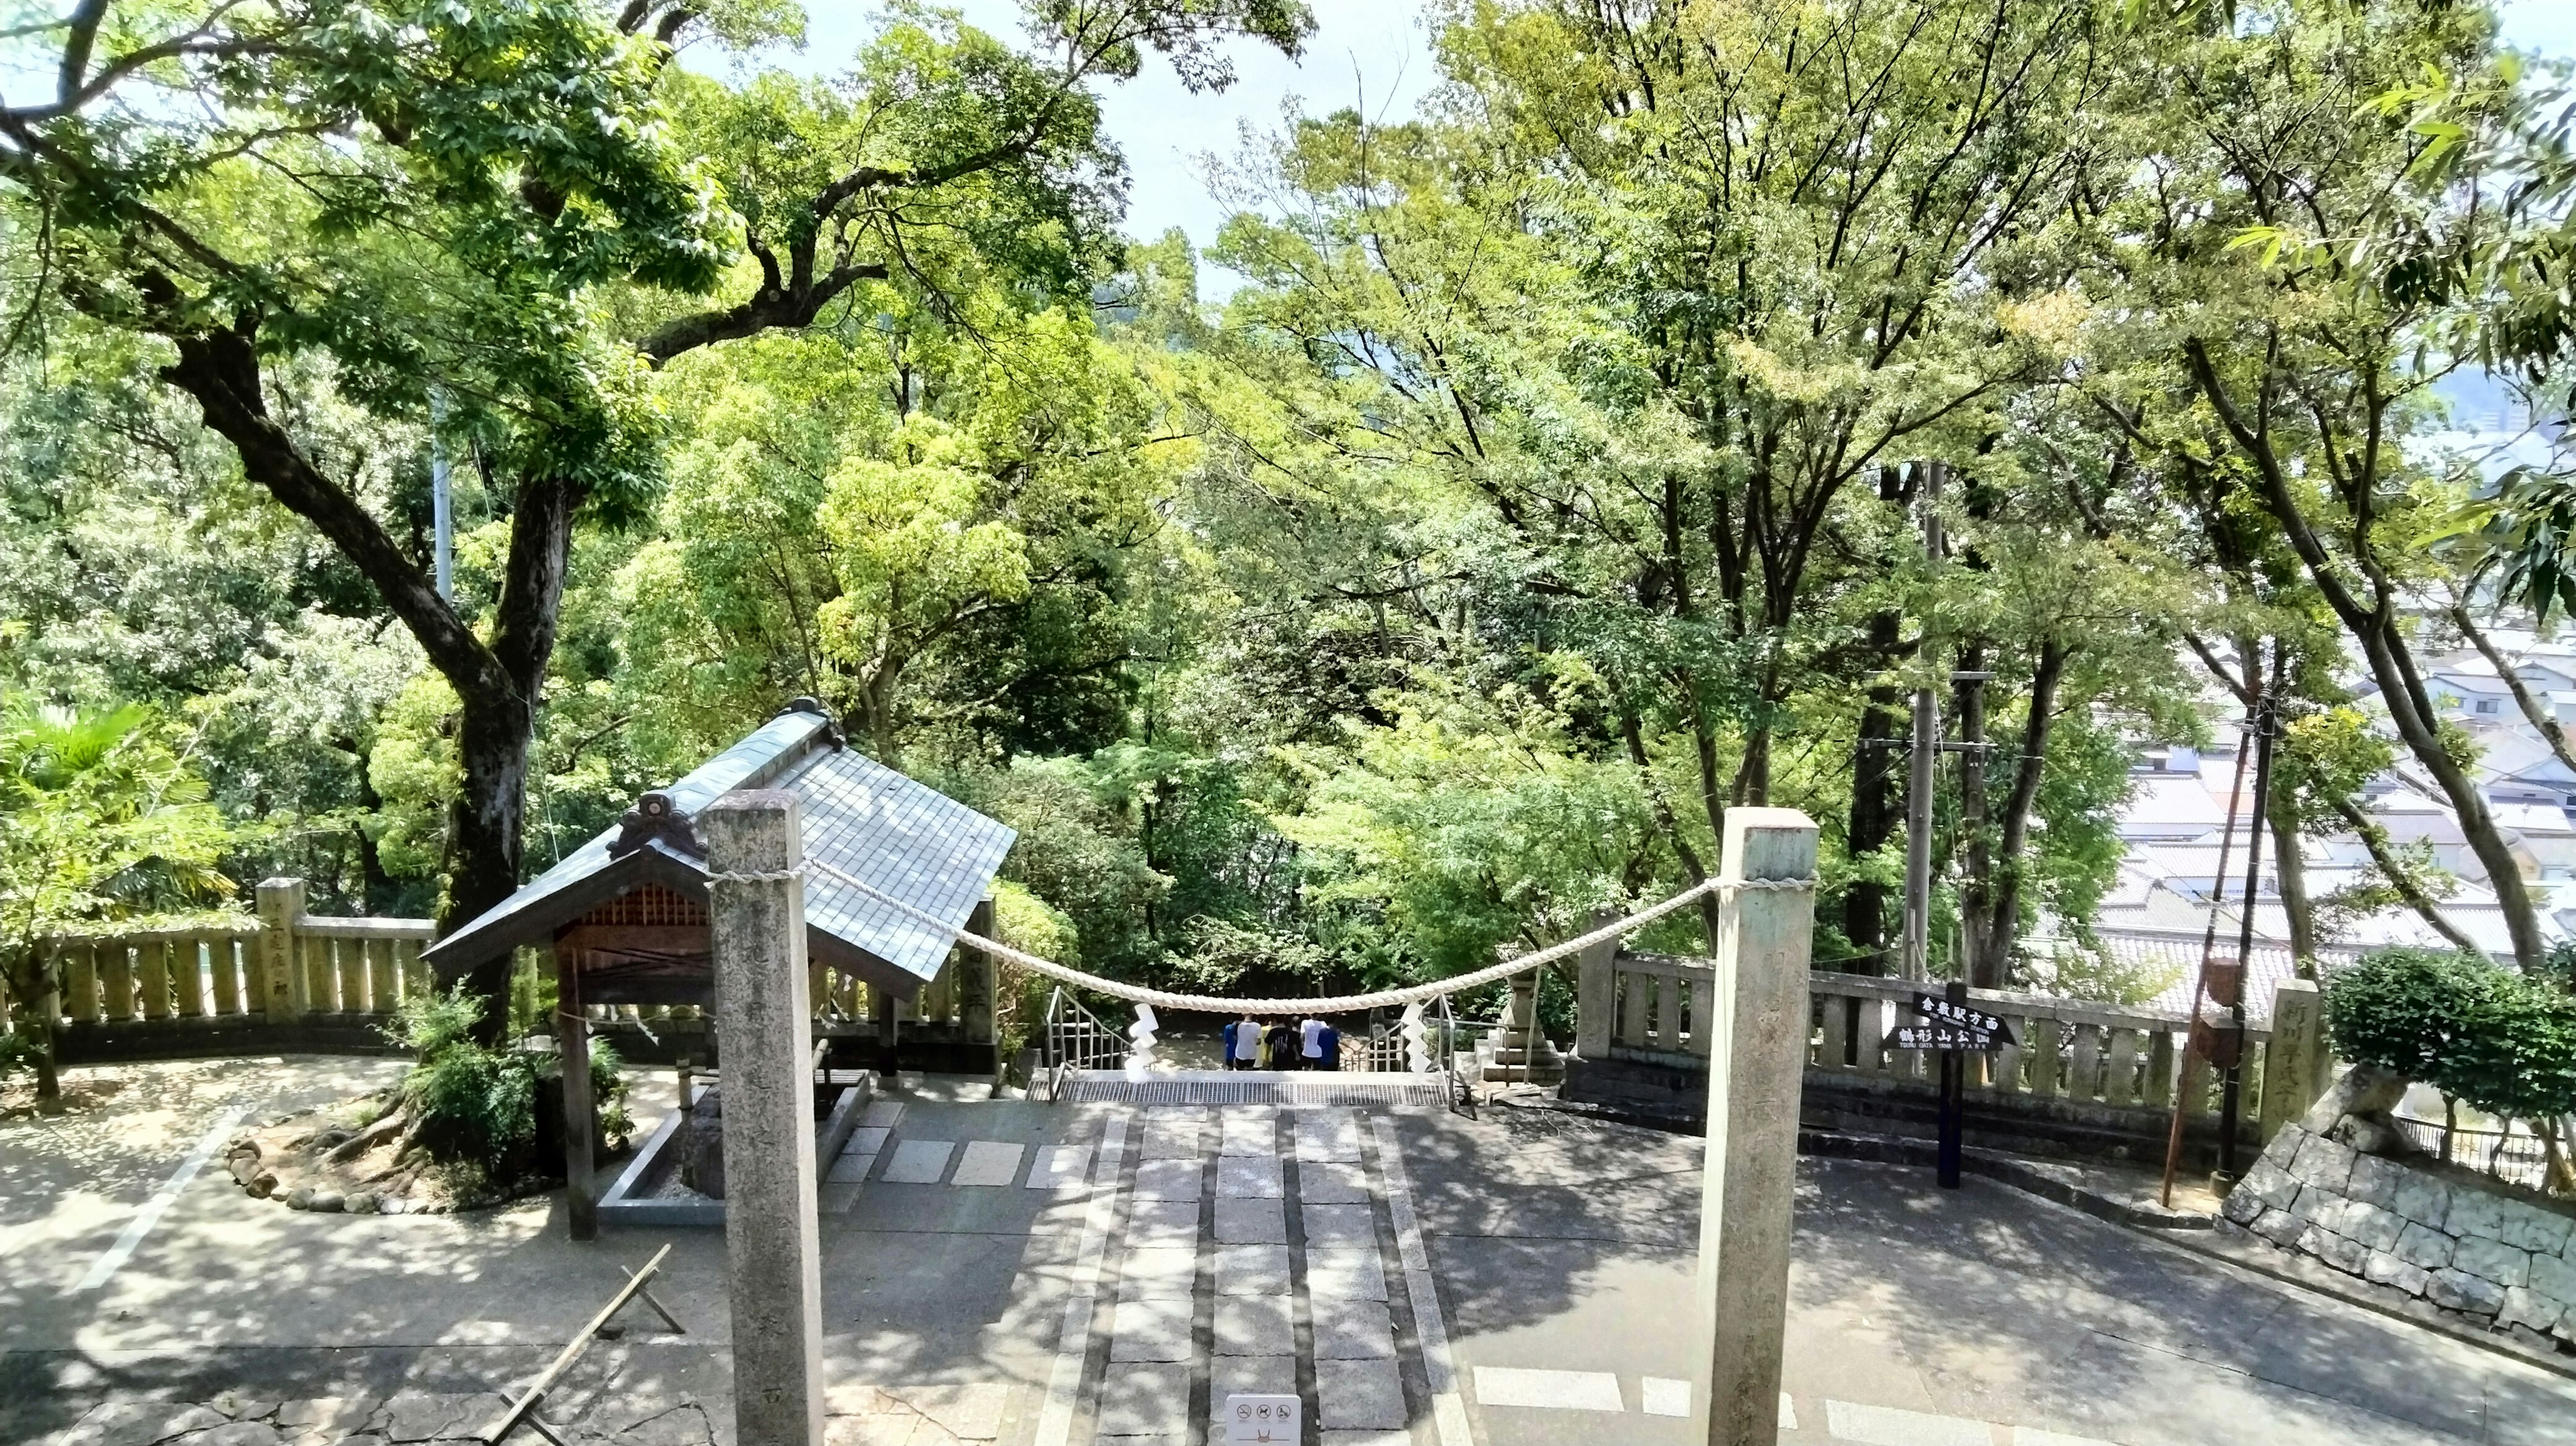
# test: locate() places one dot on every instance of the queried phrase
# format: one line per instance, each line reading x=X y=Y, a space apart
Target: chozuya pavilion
x=625 y=915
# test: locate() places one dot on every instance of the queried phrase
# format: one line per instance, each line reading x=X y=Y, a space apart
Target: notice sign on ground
x=1262 y=1418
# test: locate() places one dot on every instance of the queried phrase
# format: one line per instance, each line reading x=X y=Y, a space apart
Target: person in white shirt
x=1246 y=1037
x=1314 y=1046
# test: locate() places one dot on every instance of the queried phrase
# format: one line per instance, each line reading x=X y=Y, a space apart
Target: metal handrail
x=1462 y=1096
x=1076 y=1039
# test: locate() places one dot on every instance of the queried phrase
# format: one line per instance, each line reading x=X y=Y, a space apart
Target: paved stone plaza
x=1007 y=1272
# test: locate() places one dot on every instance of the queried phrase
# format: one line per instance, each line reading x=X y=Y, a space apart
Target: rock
x=300 y=1198
x=325 y=1414
x=2279 y=1226
x=326 y=1202
x=2476 y=1212
x=2268 y=1185
x=191 y=1419
x=2244 y=1205
x=2386 y=1269
x=2458 y=1290
x=245 y=1168
x=2364 y=1089
x=2526 y=1307
x=393 y=1205
x=243 y=1407
x=2418 y=1246
x=241 y=1147
x=2375 y=1228
x=2492 y=1259
x=263 y=1185
x=2554 y=1277
x=2372 y=1135
x=359 y=1202
x=430 y=1416
x=2344 y=1254
x=235 y=1433
x=2542 y=1232
x=2323 y=1163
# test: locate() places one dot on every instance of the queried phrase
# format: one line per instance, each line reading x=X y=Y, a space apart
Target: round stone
x=326 y=1202
x=300 y=1198
x=360 y=1202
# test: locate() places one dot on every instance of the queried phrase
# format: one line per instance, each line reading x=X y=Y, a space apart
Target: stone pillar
x=2295 y=1062
x=975 y=979
x=764 y=1015
x=580 y=1115
x=279 y=991
x=1596 y=993
x=1756 y=1061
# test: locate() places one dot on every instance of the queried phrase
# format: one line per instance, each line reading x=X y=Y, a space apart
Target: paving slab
x=1168 y=1180
x=1175 y=1134
x=1331 y=1183
x=989 y=1163
x=1254 y=1325
x=1352 y=1330
x=1344 y=1273
x=1248 y=1177
x=1249 y=1376
x=1166 y=1271
x=1156 y=1329
x=1250 y=1130
x=1252 y=1270
x=919 y=1162
x=1146 y=1400
x=1339 y=1225
x=1251 y=1222
x=1358 y=1394
x=1163 y=1222
x=1060 y=1167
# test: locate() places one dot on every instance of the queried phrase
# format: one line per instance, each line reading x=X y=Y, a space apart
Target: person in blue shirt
x=1328 y=1047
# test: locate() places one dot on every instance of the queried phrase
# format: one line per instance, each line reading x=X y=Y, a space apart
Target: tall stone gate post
x=756 y=906
x=1765 y=935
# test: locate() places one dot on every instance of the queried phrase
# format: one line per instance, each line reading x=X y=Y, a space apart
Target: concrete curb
x=2226 y=1247
x=2234 y=1247
x=2031 y=1177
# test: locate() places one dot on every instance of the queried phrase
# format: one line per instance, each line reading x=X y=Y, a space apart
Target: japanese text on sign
x=1942 y=1011
x=1940 y=1036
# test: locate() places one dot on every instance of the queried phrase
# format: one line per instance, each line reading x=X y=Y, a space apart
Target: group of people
x=1310 y=1044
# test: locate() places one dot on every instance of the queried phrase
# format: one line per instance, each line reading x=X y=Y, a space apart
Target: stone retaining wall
x=2446 y=1235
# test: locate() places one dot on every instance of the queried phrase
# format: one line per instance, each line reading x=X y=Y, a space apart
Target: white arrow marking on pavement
x=150 y=1215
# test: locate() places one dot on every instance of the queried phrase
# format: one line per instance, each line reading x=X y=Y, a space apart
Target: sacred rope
x=1342 y=1004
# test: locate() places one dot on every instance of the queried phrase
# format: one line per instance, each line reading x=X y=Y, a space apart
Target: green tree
x=101 y=819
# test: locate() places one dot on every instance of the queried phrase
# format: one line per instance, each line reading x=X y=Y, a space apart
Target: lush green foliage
x=474 y=1107
x=1549 y=487
x=102 y=819
x=2490 y=1037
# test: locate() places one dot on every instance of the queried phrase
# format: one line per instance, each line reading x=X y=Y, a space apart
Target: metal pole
x=442 y=517
x=2200 y=986
x=1918 y=778
x=2232 y=1087
x=1954 y=1103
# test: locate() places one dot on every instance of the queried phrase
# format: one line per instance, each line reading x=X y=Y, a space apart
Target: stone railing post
x=756 y=908
x=2295 y=1061
x=278 y=991
x=975 y=979
x=1756 y=1063
x=1596 y=992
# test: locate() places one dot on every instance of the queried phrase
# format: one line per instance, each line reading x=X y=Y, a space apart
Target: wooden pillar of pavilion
x=572 y=1046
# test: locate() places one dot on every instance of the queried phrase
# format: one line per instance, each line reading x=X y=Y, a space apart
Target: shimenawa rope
x=1342 y=1004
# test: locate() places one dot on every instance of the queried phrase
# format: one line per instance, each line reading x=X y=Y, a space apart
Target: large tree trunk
x=1976 y=891
x=2291 y=868
x=1873 y=807
x=497 y=684
x=2004 y=918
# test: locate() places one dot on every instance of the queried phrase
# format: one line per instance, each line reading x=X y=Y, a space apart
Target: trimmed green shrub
x=2484 y=1035
x=476 y=1107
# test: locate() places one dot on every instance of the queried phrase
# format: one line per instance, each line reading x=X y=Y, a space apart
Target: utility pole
x=1976 y=897
x=442 y=519
x=1927 y=751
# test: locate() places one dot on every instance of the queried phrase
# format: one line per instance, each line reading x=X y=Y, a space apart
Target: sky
x=1369 y=54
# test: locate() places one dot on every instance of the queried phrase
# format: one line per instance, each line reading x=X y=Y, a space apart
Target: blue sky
x=1368 y=53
